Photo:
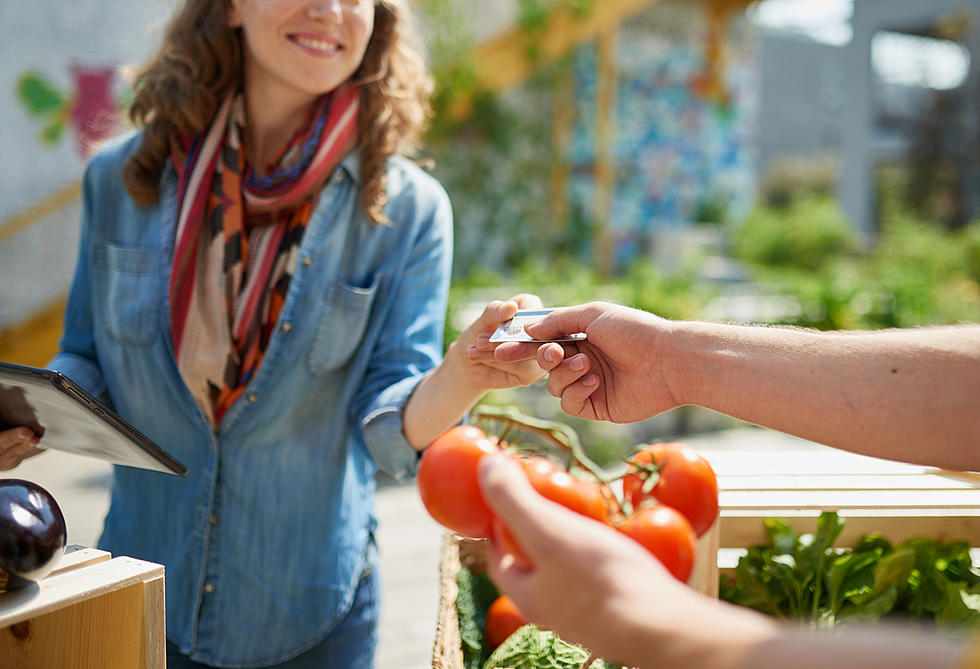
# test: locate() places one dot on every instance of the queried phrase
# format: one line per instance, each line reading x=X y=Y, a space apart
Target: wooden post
x=562 y=120
x=605 y=168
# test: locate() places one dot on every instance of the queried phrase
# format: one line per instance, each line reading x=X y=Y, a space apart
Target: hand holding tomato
x=595 y=586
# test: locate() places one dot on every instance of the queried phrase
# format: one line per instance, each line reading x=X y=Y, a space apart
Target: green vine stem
x=562 y=436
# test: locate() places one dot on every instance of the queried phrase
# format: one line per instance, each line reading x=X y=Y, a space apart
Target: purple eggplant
x=33 y=533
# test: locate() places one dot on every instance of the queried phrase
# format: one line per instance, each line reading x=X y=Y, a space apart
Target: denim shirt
x=266 y=537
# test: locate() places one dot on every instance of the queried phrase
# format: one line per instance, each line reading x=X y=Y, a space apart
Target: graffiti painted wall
x=680 y=155
x=61 y=92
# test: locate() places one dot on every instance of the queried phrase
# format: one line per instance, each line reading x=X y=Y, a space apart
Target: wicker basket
x=447 y=651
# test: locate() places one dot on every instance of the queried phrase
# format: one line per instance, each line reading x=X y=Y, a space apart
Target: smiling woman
x=260 y=289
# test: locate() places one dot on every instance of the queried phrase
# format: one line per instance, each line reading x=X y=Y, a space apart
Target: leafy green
x=534 y=648
x=475 y=594
x=803 y=577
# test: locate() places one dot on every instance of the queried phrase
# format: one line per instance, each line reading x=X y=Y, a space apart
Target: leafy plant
x=808 y=234
x=528 y=648
x=803 y=577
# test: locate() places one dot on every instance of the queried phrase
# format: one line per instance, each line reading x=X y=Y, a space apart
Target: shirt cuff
x=383 y=431
x=83 y=372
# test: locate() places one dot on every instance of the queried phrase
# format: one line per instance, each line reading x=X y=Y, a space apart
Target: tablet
x=67 y=418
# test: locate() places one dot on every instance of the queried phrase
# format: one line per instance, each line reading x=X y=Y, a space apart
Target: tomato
x=684 y=481
x=448 y=483
x=556 y=484
x=503 y=619
x=666 y=533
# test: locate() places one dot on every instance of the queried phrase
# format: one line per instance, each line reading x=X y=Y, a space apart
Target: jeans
x=350 y=645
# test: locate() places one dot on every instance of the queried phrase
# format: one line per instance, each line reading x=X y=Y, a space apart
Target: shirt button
x=338 y=177
x=252 y=397
x=287 y=326
x=209 y=588
x=213 y=519
x=307 y=261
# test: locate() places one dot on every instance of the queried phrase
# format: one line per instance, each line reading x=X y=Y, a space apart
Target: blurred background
x=806 y=162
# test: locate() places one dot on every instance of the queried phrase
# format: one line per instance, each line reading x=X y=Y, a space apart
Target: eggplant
x=33 y=533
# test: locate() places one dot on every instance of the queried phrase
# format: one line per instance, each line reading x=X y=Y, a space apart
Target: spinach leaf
x=804 y=577
x=475 y=594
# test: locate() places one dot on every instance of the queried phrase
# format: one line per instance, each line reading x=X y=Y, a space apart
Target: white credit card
x=513 y=330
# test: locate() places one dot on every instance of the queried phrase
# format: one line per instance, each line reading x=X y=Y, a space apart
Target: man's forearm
x=912 y=395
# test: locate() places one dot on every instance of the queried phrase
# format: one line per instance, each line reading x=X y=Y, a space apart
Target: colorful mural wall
x=680 y=156
x=61 y=93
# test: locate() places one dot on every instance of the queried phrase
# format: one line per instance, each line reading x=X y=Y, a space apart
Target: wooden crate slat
x=743 y=531
x=777 y=500
x=61 y=590
x=843 y=482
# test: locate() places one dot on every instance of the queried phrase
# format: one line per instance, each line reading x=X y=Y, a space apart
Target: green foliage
x=534 y=648
x=527 y=648
x=475 y=594
x=802 y=577
x=451 y=61
x=915 y=274
x=807 y=233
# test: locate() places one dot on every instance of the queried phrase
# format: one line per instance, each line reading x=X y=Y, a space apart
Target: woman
x=261 y=289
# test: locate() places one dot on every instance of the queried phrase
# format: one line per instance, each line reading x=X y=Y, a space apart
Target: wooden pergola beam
x=502 y=62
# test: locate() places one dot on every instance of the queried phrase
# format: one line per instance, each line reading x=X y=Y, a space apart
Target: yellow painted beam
x=50 y=204
x=502 y=62
x=35 y=341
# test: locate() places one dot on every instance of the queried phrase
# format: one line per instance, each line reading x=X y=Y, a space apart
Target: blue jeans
x=351 y=643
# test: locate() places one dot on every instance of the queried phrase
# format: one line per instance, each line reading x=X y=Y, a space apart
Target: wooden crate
x=898 y=500
x=92 y=612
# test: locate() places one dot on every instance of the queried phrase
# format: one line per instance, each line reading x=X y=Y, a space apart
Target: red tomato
x=685 y=481
x=665 y=533
x=556 y=484
x=448 y=483
x=503 y=619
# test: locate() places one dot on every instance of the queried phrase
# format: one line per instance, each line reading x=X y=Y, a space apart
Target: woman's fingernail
x=472 y=352
x=23 y=434
x=550 y=355
x=576 y=364
x=591 y=380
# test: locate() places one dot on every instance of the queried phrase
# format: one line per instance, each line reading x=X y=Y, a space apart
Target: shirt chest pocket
x=341 y=327
x=129 y=289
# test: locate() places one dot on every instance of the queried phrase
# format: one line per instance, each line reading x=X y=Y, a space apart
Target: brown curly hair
x=200 y=62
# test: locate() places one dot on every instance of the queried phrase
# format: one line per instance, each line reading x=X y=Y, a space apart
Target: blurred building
x=881 y=122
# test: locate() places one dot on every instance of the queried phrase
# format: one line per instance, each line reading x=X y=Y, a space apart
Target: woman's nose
x=321 y=10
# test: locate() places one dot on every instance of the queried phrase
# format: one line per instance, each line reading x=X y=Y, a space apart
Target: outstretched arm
x=911 y=395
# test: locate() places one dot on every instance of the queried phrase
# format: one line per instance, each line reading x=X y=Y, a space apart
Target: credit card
x=513 y=330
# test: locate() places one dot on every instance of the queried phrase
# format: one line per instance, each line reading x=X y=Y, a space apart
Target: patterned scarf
x=238 y=238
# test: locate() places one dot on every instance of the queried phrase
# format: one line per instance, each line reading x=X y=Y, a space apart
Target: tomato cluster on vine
x=669 y=494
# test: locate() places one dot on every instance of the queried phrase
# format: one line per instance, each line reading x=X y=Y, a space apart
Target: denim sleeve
x=410 y=343
x=76 y=358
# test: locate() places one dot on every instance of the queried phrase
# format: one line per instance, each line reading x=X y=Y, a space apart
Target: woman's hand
x=468 y=370
x=16 y=445
x=475 y=353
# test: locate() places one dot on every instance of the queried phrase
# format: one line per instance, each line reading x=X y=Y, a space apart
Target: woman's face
x=308 y=47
